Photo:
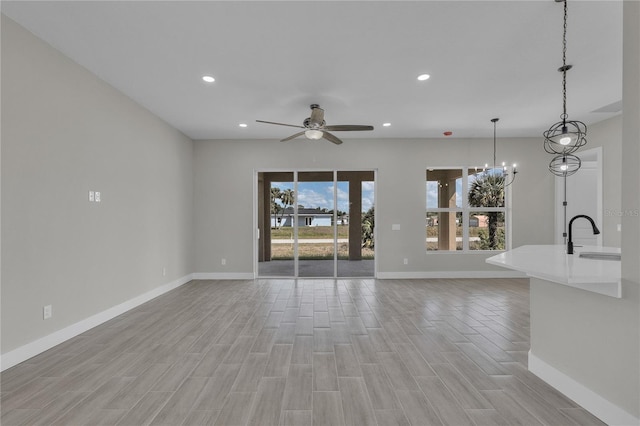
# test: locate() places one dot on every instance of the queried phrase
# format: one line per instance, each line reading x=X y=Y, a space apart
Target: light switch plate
x=91 y=196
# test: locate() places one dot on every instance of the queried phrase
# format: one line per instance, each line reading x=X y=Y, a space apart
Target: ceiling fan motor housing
x=308 y=123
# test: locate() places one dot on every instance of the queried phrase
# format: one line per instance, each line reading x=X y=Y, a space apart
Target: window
x=465 y=209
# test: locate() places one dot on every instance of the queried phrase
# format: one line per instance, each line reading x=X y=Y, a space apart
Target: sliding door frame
x=296 y=171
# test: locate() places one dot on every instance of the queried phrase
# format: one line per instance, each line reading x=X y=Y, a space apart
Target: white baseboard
x=222 y=275
x=36 y=347
x=449 y=274
x=606 y=411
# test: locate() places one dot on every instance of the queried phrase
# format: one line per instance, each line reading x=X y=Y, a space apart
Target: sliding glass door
x=316 y=224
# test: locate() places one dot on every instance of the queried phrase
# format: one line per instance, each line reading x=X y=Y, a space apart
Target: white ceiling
x=359 y=60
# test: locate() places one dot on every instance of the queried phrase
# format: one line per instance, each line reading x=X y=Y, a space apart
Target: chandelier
x=566 y=136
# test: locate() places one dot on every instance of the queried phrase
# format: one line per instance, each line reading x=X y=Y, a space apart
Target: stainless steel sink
x=600 y=256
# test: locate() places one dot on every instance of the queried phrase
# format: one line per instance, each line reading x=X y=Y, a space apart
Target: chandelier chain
x=564 y=65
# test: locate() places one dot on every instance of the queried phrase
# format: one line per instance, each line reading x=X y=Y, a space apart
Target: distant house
x=306 y=217
x=477 y=221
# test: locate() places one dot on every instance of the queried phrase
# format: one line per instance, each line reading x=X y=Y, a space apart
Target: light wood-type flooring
x=299 y=352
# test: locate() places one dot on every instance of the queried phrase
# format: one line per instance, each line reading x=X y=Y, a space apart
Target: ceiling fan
x=316 y=128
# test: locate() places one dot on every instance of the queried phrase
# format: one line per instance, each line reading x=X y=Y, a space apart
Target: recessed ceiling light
x=423 y=77
x=386 y=124
x=208 y=78
x=242 y=124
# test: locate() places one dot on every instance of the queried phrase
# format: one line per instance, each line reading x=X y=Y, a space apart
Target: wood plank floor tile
x=355 y=402
x=302 y=352
x=363 y=349
x=531 y=400
x=238 y=352
x=128 y=396
x=264 y=341
x=250 y=373
x=509 y=409
x=327 y=409
x=397 y=371
x=325 y=375
x=581 y=417
x=266 y=406
x=48 y=414
x=235 y=411
x=279 y=360
x=488 y=417
x=217 y=387
x=346 y=362
x=304 y=325
x=379 y=387
x=201 y=418
x=414 y=361
x=176 y=410
x=443 y=402
x=322 y=340
x=298 y=388
x=470 y=370
x=296 y=352
x=461 y=388
x=417 y=408
x=296 y=418
x=286 y=333
x=391 y=418
x=210 y=360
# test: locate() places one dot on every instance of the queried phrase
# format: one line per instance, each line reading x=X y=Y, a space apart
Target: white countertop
x=551 y=263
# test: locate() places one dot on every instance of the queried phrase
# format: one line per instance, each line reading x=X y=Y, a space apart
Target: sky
x=320 y=194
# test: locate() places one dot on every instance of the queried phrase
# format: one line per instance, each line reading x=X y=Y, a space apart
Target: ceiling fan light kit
x=316 y=128
x=313 y=134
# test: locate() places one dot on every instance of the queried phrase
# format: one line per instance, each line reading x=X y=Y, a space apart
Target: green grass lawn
x=309 y=232
x=312 y=251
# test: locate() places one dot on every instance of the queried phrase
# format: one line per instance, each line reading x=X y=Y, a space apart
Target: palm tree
x=368 y=224
x=488 y=191
x=286 y=197
x=275 y=207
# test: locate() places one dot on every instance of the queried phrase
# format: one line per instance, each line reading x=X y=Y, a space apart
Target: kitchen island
x=576 y=308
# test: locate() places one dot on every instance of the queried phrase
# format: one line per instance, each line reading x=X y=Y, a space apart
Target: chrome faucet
x=596 y=231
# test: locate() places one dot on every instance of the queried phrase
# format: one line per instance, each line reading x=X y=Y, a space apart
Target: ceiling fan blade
x=317 y=116
x=292 y=137
x=347 y=127
x=280 y=124
x=328 y=136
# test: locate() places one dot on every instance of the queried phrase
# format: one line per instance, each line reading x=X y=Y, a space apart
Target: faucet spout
x=596 y=231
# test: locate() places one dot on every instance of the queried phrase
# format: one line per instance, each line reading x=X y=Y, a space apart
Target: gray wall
x=65 y=132
x=224 y=174
x=591 y=338
x=401 y=166
x=608 y=135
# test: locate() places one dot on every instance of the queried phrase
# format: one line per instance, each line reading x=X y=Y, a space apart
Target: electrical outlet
x=47 y=312
x=224 y=261
x=97 y=196
x=406 y=261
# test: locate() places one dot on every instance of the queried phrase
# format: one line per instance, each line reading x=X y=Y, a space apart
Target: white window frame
x=467 y=210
